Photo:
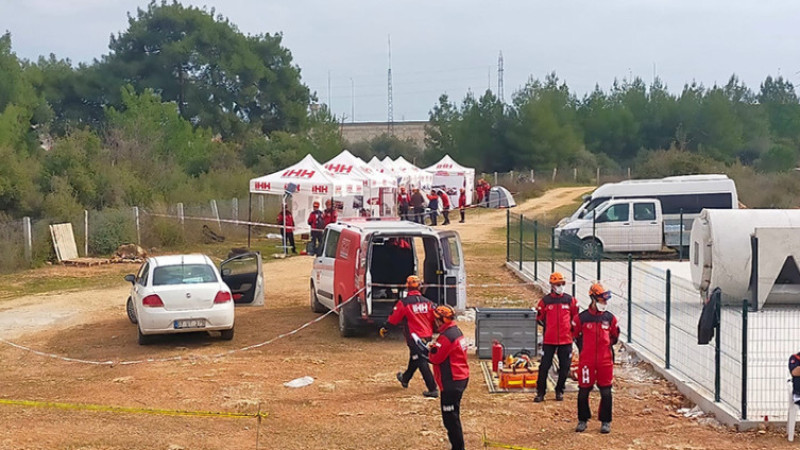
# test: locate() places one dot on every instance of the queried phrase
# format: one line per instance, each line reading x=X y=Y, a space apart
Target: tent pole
x=283 y=212
x=249 y=216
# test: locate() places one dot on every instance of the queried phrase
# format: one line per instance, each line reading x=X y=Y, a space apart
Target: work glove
x=383 y=332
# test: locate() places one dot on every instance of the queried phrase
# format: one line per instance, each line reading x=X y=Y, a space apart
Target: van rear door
x=455 y=276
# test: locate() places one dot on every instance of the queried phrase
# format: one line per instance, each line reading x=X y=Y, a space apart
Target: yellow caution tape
x=490 y=444
x=122 y=409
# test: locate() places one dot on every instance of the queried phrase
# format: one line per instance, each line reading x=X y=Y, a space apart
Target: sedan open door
x=244 y=275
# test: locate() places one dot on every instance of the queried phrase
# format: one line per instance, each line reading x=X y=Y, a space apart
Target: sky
x=452 y=47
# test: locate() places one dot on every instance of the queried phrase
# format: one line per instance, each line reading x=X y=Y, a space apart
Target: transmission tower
x=390 y=119
x=500 y=77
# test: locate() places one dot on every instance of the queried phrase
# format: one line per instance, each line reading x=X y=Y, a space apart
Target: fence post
x=754 y=270
x=495 y=178
x=136 y=222
x=598 y=176
x=669 y=315
x=630 y=301
x=629 y=173
x=555 y=172
x=508 y=235
x=532 y=179
x=85 y=232
x=744 y=358
x=215 y=212
x=574 y=174
x=235 y=209
x=552 y=249
x=573 y=275
x=521 y=218
x=680 y=241
x=536 y=250
x=181 y=216
x=511 y=176
x=717 y=353
x=28 y=236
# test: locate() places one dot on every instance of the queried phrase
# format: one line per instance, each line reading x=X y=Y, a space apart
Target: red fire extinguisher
x=497 y=354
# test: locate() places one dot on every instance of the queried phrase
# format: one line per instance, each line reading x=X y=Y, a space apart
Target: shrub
x=109 y=229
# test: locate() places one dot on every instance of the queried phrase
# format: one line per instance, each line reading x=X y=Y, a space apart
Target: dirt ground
x=354 y=403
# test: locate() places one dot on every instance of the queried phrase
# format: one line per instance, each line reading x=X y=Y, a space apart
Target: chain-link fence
x=744 y=367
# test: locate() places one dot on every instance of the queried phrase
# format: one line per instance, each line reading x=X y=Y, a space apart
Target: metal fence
x=744 y=368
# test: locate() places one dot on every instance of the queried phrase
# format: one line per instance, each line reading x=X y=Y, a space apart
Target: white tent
x=412 y=176
x=307 y=181
x=499 y=197
x=451 y=176
x=378 y=189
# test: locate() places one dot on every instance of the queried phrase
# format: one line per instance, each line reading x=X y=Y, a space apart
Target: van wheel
x=129 y=309
x=590 y=248
x=316 y=306
x=347 y=319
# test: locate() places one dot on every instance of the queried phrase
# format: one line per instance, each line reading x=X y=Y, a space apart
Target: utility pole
x=390 y=118
x=500 y=77
x=352 y=101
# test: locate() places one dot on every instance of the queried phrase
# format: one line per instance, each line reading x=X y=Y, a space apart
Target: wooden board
x=64 y=241
x=84 y=262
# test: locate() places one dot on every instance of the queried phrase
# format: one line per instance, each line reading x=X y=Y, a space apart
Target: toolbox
x=515 y=328
x=510 y=379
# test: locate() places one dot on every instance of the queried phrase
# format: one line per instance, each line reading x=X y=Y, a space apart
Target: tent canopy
x=451 y=176
x=412 y=175
x=306 y=177
x=448 y=166
x=347 y=164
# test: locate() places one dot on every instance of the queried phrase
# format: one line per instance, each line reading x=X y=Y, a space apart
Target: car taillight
x=152 y=301
x=222 y=297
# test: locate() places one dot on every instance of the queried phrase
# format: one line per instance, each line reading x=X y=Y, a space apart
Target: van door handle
x=626 y=223
x=653 y=223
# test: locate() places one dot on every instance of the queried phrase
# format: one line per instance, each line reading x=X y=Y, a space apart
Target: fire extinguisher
x=497 y=354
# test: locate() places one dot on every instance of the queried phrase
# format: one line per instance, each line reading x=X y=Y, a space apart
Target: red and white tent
x=451 y=176
x=378 y=189
x=307 y=181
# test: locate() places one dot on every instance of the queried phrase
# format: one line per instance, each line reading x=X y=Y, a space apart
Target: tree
x=217 y=77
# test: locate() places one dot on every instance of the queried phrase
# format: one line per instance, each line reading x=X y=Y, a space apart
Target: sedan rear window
x=183 y=274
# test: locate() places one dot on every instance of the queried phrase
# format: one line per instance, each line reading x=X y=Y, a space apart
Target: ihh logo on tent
x=298 y=173
x=262 y=186
x=319 y=189
x=444 y=166
x=339 y=168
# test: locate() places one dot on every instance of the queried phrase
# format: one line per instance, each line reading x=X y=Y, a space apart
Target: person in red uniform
x=449 y=358
x=596 y=331
x=555 y=312
x=286 y=220
x=487 y=188
x=316 y=220
x=329 y=214
x=415 y=312
x=462 y=204
x=479 y=190
x=445 y=199
x=403 y=203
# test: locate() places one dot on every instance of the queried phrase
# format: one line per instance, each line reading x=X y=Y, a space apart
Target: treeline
x=184 y=107
x=547 y=126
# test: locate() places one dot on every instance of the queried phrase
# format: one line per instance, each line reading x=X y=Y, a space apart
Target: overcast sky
x=450 y=46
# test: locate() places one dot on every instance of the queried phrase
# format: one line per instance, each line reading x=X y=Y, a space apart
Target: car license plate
x=190 y=323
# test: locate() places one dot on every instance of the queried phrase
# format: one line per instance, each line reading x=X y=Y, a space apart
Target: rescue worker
x=316 y=221
x=794 y=370
x=415 y=312
x=555 y=312
x=433 y=205
x=487 y=188
x=479 y=190
x=445 y=207
x=286 y=220
x=418 y=206
x=449 y=358
x=462 y=204
x=329 y=214
x=596 y=331
x=403 y=203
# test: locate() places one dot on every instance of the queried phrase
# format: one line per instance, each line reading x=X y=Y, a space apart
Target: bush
x=664 y=163
x=109 y=229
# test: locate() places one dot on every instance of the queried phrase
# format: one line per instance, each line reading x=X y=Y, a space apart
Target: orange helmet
x=597 y=291
x=445 y=312
x=556 y=278
x=413 y=282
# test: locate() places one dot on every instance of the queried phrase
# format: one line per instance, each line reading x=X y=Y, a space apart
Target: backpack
x=319 y=221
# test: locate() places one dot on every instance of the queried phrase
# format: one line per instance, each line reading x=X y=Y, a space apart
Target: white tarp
x=451 y=176
x=412 y=176
x=309 y=182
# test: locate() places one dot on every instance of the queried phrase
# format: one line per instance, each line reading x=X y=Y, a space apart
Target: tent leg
x=249 y=217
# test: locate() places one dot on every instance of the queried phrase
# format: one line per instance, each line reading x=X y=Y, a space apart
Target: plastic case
x=515 y=328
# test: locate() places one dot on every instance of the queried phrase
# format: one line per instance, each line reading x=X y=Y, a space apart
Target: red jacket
x=330 y=216
x=462 y=200
x=416 y=313
x=316 y=220
x=556 y=314
x=449 y=357
x=597 y=332
x=445 y=201
x=403 y=199
x=289 y=221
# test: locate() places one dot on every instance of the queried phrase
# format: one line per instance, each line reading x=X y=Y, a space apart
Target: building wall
x=365 y=131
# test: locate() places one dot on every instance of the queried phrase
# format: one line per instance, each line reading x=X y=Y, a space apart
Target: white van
x=689 y=194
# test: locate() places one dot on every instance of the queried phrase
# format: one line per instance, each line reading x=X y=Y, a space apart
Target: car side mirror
x=130 y=278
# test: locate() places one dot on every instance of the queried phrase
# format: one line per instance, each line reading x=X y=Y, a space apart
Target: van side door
x=613 y=227
x=455 y=275
x=324 y=266
x=646 y=231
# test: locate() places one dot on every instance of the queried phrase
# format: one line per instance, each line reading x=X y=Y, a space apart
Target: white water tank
x=721 y=254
